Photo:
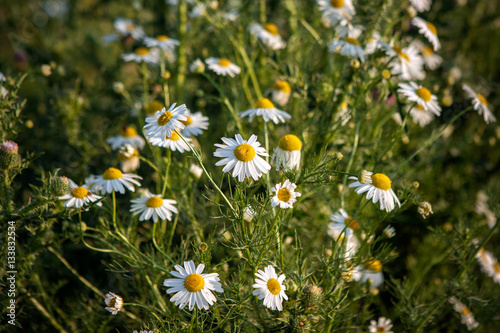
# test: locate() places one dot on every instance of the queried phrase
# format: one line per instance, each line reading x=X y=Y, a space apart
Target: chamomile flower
x=128 y=136
x=431 y=59
x=142 y=54
x=197 y=66
x=191 y=287
x=420 y=115
x=125 y=28
x=489 y=264
x=349 y=45
x=194 y=124
x=269 y=287
x=425 y=209
x=389 y=231
x=373 y=44
x=427 y=29
x=383 y=325
x=163 y=123
x=196 y=171
x=378 y=187
x=153 y=206
x=248 y=213
x=281 y=92
x=370 y=271
x=421 y=5
x=287 y=154
x=163 y=42
x=408 y=64
x=480 y=104
x=129 y=158
x=343 y=219
x=421 y=95
x=265 y=109
x=285 y=195
x=114 y=180
x=222 y=66
x=243 y=157
x=173 y=142
x=467 y=318
x=78 y=196
x=334 y=11
x=114 y=303
x=268 y=34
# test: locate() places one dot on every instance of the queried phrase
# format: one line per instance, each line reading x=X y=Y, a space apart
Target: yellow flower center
x=244 y=152
x=224 y=62
x=154 y=202
x=284 y=195
x=271 y=28
x=165 y=118
x=79 y=193
x=465 y=310
x=273 y=286
x=373 y=265
x=496 y=267
x=427 y=50
x=337 y=3
x=174 y=137
x=352 y=41
x=161 y=38
x=401 y=53
x=419 y=107
x=381 y=181
x=141 y=51
x=127 y=157
x=154 y=106
x=194 y=283
x=432 y=28
x=112 y=173
x=128 y=131
x=351 y=223
x=380 y=329
x=282 y=86
x=188 y=121
x=264 y=104
x=482 y=99
x=424 y=94
x=290 y=143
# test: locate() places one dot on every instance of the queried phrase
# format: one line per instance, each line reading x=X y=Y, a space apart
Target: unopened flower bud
x=9 y=158
x=203 y=247
x=312 y=295
x=59 y=186
x=46 y=70
x=300 y=324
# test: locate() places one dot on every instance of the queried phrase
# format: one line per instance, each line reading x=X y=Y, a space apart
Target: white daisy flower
x=370 y=271
x=269 y=287
x=287 y=154
x=128 y=136
x=114 y=303
x=142 y=54
x=196 y=171
x=378 y=187
x=383 y=325
x=124 y=28
x=420 y=115
x=344 y=220
x=408 y=64
x=427 y=29
x=78 y=196
x=344 y=115
x=349 y=47
x=467 y=318
x=421 y=5
x=197 y=66
x=421 y=95
x=163 y=123
x=192 y=287
x=114 y=180
x=163 y=42
x=480 y=104
x=2 y=77
x=285 y=196
x=265 y=108
x=173 y=142
x=425 y=209
x=373 y=44
x=489 y=264
x=281 y=92
x=389 y=231
x=129 y=158
x=431 y=59
x=231 y=15
x=268 y=34
x=194 y=124
x=248 y=213
x=243 y=157
x=153 y=206
x=222 y=66
x=335 y=11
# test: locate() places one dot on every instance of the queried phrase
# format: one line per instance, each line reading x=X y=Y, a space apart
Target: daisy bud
x=119 y=87
x=374 y=291
x=412 y=12
x=46 y=70
x=59 y=186
x=338 y=156
x=312 y=295
x=114 y=303
x=424 y=209
x=166 y=75
x=355 y=63
x=196 y=171
x=9 y=158
x=203 y=247
x=300 y=324
x=386 y=74
x=415 y=184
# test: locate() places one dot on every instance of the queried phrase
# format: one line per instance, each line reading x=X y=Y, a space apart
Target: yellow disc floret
x=482 y=99
x=427 y=50
x=112 y=173
x=373 y=265
x=141 y=51
x=271 y=28
x=154 y=202
x=174 y=137
x=432 y=28
x=79 y=192
x=282 y=86
x=244 y=152
x=161 y=38
x=273 y=286
x=337 y=3
x=401 y=53
x=224 y=62
x=351 y=223
x=264 y=103
x=381 y=181
x=380 y=329
x=165 y=118
x=128 y=131
x=465 y=310
x=424 y=94
x=194 y=283
x=290 y=143
x=284 y=195
x=188 y=121
x=352 y=41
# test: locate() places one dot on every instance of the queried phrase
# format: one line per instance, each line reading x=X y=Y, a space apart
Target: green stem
x=165 y=179
x=6 y=191
x=181 y=56
x=268 y=240
x=114 y=210
x=172 y=232
x=351 y=159
x=145 y=86
x=266 y=142
x=166 y=95
x=422 y=323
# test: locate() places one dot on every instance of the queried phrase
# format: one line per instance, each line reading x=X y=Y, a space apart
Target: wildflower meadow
x=250 y=166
